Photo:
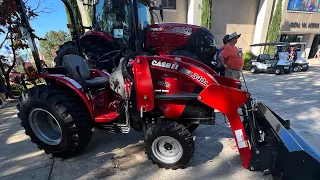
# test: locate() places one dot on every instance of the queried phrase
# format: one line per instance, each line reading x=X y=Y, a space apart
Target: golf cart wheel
x=68 y=47
x=57 y=121
x=169 y=145
x=279 y=71
x=287 y=71
x=305 y=69
x=253 y=70
x=297 y=68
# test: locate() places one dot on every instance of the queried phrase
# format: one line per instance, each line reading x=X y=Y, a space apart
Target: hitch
x=282 y=153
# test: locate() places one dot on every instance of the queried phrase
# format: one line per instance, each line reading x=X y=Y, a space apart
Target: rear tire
x=57 y=121
x=306 y=68
x=169 y=145
x=68 y=47
x=297 y=68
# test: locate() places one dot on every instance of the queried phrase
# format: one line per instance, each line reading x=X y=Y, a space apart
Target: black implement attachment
x=276 y=148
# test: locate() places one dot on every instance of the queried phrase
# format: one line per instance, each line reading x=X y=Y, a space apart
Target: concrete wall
x=262 y=23
x=194 y=12
x=308 y=33
x=300 y=17
x=230 y=15
x=175 y=15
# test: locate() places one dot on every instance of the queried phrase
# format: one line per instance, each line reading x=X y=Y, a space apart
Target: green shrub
x=17 y=89
x=274 y=30
x=206 y=14
x=247 y=57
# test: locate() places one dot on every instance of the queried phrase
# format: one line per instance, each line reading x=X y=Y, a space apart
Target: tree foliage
x=274 y=28
x=10 y=26
x=206 y=14
x=53 y=39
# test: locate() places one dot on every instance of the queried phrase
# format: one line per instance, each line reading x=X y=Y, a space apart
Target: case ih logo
x=183 y=30
x=164 y=64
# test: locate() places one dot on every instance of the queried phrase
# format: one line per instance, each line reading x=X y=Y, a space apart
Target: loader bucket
x=286 y=155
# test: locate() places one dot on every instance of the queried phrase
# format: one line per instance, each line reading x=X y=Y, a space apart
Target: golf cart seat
x=283 y=55
x=79 y=70
x=263 y=57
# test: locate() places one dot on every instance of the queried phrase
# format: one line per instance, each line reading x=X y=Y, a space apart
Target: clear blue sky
x=56 y=20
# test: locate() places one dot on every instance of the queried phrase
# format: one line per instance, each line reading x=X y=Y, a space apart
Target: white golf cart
x=299 y=62
x=279 y=64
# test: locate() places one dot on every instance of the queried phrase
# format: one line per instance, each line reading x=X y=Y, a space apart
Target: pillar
x=262 y=23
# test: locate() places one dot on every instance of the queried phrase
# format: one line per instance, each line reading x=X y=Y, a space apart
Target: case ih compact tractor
x=162 y=96
x=112 y=32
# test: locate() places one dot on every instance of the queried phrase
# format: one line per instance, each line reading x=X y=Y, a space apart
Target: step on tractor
x=166 y=97
x=112 y=32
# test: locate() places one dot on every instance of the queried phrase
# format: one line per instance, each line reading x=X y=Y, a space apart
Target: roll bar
x=75 y=32
x=27 y=33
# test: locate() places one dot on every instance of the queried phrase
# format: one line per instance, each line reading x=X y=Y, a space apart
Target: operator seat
x=71 y=62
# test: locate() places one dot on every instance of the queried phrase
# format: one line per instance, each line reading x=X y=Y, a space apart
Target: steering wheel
x=110 y=56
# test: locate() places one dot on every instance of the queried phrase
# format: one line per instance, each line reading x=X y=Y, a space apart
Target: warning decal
x=240 y=139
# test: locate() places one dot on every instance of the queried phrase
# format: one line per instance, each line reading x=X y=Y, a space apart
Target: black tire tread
x=68 y=47
x=79 y=123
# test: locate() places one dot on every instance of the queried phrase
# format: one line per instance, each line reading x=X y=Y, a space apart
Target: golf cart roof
x=297 y=43
x=271 y=44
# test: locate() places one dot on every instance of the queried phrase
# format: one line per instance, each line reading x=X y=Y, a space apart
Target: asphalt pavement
x=294 y=96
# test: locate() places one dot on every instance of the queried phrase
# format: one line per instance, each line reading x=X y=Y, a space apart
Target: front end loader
x=162 y=96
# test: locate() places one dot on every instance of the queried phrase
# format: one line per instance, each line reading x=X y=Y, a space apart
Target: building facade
x=300 y=20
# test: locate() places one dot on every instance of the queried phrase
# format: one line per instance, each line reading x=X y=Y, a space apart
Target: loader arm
x=223 y=98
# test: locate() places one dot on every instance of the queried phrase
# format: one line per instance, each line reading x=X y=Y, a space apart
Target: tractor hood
x=185 y=29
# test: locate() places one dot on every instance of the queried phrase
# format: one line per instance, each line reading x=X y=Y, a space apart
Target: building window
x=168 y=4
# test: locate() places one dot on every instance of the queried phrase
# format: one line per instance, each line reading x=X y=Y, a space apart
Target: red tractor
x=162 y=96
x=112 y=31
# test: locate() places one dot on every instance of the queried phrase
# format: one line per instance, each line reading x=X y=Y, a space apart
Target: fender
x=71 y=84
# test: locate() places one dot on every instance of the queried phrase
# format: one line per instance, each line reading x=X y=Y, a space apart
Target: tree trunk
x=9 y=89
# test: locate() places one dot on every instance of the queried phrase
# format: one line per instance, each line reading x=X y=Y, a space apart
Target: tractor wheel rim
x=167 y=149
x=45 y=126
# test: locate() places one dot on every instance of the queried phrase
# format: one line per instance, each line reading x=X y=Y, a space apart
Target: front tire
x=169 y=145
x=57 y=121
x=279 y=71
x=253 y=70
x=192 y=127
